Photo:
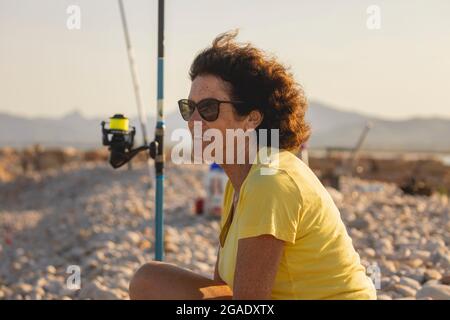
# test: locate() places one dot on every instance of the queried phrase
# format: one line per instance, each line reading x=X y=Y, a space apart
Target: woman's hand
x=257 y=264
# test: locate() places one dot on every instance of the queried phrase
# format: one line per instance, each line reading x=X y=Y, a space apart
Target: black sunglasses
x=207 y=108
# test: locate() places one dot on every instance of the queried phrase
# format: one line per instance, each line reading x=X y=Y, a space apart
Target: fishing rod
x=159 y=138
x=119 y=137
x=136 y=83
x=134 y=74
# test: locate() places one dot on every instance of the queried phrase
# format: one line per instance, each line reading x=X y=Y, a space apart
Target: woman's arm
x=257 y=263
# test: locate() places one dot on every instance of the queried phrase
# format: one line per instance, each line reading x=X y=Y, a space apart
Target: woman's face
x=209 y=86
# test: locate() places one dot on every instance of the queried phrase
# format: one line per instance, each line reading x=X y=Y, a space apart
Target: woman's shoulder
x=279 y=169
x=273 y=178
x=285 y=174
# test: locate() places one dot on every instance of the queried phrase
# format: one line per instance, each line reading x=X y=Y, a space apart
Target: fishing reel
x=120 y=140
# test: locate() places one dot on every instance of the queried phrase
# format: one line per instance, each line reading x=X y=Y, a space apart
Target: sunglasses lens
x=186 y=109
x=208 y=109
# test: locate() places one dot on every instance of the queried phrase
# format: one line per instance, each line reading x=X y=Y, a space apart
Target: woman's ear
x=254 y=119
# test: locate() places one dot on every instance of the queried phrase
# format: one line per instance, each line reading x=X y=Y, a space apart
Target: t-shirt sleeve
x=271 y=205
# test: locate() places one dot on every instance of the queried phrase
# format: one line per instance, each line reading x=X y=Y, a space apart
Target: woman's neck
x=237 y=174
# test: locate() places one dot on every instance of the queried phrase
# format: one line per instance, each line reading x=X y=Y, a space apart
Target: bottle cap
x=215 y=166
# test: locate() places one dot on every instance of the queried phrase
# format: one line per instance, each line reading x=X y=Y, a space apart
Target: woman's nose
x=196 y=116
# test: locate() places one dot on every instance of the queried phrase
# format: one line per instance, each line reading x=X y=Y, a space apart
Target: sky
x=398 y=71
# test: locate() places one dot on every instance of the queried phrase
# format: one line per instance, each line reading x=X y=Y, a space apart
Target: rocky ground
x=99 y=220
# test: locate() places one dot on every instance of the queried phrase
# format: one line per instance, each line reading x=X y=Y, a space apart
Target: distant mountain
x=331 y=127
x=334 y=128
x=73 y=129
x=324 y=118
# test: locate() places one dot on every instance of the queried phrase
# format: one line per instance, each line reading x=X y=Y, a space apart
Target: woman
x=281 y=234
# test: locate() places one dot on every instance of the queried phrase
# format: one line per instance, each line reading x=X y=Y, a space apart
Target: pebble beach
x=97 y=220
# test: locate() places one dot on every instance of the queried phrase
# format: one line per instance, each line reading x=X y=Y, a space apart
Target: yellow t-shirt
x=319 y=261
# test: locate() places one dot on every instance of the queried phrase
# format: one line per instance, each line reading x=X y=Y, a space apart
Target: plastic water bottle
x=215 y=183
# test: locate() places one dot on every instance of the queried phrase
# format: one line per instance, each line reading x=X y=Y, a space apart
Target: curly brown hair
x=262 y=83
